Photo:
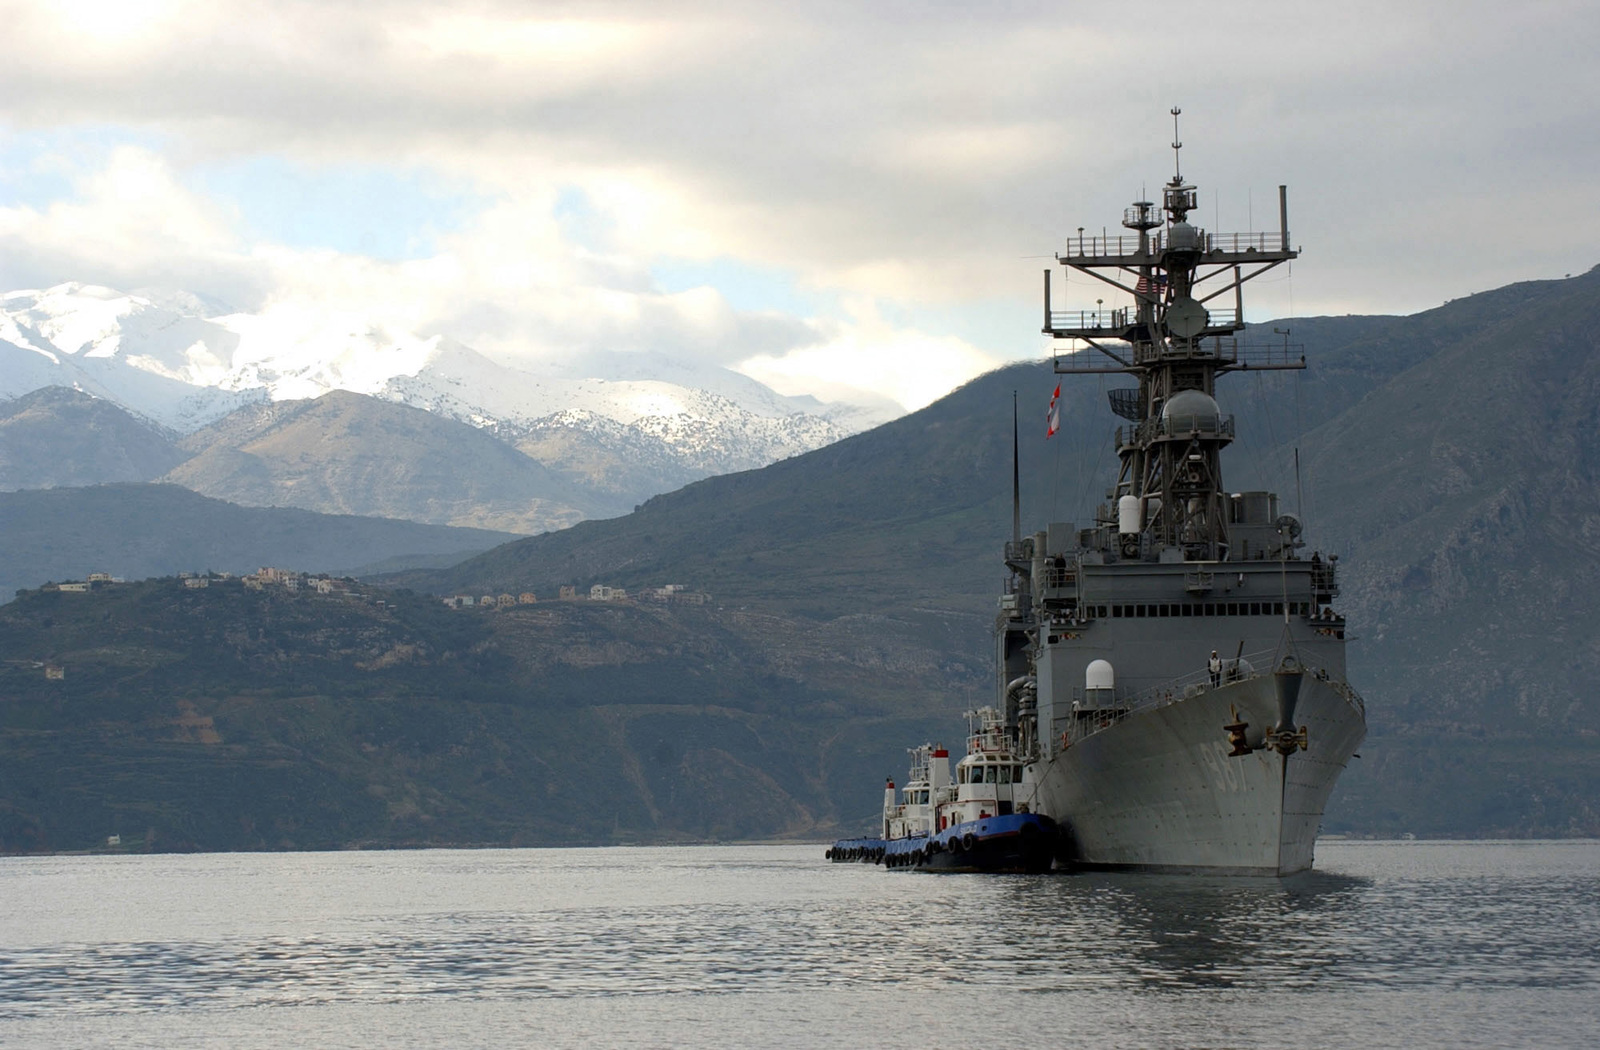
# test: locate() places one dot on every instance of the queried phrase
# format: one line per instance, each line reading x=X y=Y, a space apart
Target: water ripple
x=268 y=930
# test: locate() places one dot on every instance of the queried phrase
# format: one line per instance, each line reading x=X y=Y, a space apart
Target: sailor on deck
x=1214 y=665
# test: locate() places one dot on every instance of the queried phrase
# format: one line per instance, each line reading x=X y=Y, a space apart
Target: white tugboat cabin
x=926 y=787
x=991 y=781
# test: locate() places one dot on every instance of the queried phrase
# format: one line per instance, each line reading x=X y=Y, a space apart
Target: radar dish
x=1127 y=403
x=1187 y=319
x=1287 y=524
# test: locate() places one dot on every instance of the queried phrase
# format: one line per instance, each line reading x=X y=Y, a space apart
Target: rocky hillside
x=346 y=453
x=60 y=436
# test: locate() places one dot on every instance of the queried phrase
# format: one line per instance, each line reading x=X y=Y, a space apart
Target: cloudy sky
x=826 y=196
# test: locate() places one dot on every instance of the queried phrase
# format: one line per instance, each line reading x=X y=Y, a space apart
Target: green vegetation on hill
x=227 y=718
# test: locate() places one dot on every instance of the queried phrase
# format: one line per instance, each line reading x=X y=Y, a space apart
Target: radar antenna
x=1177 y=163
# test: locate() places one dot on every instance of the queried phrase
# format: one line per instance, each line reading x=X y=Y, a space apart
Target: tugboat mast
x=1169 y=493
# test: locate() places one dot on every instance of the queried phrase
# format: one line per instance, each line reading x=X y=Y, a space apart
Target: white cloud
x=129 y=223
x=911 y=367
x=510 y=283
x=908 y=153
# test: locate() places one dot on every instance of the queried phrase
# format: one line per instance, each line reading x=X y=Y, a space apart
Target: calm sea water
x=1414 y=944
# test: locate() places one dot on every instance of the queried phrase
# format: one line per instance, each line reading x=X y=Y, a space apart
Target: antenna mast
x=1179 y=334
x=1177 y=163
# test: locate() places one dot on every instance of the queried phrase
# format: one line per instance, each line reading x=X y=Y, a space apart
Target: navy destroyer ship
x=1171 y=678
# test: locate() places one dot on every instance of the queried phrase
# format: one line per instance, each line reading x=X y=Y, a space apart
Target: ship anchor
x=1287 y=679
x=1239 y=746
x=1284 y=741
x=1287 y=741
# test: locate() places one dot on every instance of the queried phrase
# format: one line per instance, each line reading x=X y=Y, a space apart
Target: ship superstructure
x=1173 y=674
x=1170 y=679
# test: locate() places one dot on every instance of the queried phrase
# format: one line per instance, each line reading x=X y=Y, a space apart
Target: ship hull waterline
x=1012 y=844
x=1158 y=790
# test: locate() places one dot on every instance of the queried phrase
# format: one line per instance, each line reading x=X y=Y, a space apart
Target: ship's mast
x=1180 y=333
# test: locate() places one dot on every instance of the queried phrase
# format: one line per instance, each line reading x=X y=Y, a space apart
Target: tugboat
x=1171 y=678
x=973 y=823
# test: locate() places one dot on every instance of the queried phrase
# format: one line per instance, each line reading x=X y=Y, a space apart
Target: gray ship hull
x=1158 y=790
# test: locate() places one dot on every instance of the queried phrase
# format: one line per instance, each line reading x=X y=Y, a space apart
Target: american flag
x=1148 y=284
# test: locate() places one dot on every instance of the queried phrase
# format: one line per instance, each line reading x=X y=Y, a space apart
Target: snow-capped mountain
x=161 y=363
x=184 y=362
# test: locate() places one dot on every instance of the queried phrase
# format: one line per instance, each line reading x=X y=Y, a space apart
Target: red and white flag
x=1053 y=419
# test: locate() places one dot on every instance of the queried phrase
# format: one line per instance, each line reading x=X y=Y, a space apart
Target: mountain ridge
x=351 y=454
x=175 y=359
x=140 y=530
x=58 y=436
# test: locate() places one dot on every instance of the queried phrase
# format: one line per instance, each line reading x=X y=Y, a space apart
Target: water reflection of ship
x=1157 y=930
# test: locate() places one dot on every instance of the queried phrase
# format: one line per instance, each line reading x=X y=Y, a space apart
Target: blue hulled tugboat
x=973 y=822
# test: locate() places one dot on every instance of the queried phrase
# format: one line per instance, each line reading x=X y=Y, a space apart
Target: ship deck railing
x=1186 y=687
x=1153 y=429
x=1223 y=350
x=1111 y=321
x=1126 y=245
